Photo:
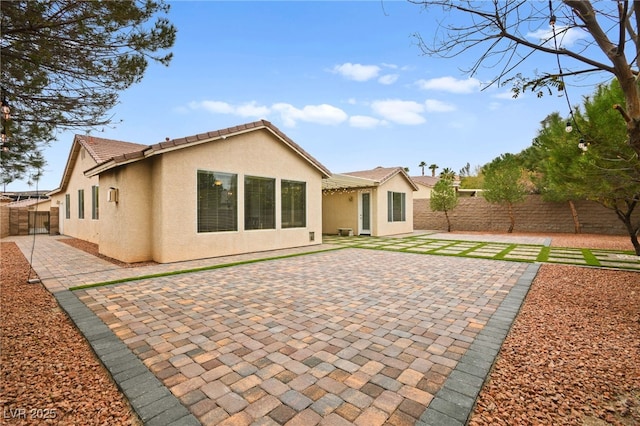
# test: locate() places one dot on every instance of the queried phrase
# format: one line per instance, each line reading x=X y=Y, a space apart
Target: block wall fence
x=532 y=215
x=15 y=221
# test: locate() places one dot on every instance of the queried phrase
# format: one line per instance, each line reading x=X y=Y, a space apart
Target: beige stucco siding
x=165 y=216
x=422 y=192
x=339 y=210
x=85 y=229
x=395 y=184
x=125 y=225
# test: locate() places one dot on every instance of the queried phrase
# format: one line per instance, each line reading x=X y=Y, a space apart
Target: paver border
x=152 y=401
x=453 y=404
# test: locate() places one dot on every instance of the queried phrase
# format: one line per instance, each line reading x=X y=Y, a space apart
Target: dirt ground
x=572 y=356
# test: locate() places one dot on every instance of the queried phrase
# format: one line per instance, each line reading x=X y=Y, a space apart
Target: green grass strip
x=192 y=270
x=590 y=258
x=503 y=253
x=543 y=256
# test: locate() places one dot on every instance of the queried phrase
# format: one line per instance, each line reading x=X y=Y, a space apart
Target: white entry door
x=365 y=213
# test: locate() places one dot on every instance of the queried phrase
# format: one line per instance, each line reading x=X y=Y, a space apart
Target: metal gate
x=39 y=222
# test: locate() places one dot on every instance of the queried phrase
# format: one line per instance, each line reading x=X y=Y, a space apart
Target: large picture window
x=294 y=204
x=259 y=203
x=80 y=203
x=94 y=203
x=67 y=206
x=217 y=201
x=396 y=206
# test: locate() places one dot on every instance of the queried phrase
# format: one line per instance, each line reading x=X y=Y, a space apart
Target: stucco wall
x=85 y=229
x=256 y=153
x=533 y=215
x=125 y=225
x=342 y=209
x=158 y=201
x=395 y=184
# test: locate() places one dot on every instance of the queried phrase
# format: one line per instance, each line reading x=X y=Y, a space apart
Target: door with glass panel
x=365 y=214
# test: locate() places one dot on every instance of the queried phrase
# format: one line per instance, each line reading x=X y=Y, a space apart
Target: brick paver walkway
x=388 y=336
x=351 y=336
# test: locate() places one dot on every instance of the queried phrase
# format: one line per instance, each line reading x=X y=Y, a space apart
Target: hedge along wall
x=532 y=215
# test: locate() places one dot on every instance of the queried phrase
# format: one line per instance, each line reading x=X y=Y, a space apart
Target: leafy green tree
x=592 y=162
x=551 y=159
x=503 y=183
x=608 y=171
x=586 y=37
x=444 y=198
x=64 y=63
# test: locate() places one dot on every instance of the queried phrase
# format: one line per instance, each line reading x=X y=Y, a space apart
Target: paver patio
x=352 y=336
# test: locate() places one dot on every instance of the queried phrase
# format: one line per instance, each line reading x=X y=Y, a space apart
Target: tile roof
x=102 y=149
x=376 y=176
x=145 y=151
x=426 y=180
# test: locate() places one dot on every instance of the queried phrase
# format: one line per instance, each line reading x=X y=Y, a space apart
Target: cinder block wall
x=4 y=222
x=54 y=220
x=533 y=215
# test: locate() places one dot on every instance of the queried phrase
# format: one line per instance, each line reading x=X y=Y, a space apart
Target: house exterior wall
x=126 y=225
x=342 y=209
x=339 y=210
x=161 y=224
x=422 y=192
x=85 y=229
x=384 y=227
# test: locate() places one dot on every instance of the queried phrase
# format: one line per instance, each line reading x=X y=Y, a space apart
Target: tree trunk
x=625 y=217
x=574 y=214
x=511 y=218
x=448 y=221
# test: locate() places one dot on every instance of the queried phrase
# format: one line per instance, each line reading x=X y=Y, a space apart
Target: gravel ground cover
x=572 y=357
x=48 y=372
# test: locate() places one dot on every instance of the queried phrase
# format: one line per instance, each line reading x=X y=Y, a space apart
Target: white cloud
x=398 y=111
x=252 y=109
x=319 y=114
x=450 y=84
x=565 y=36
x=388 y=79
x=365 y=122
x=357 y=72
x=216 y=107
x=434 y=105
x=508 y=95
x=249 y=109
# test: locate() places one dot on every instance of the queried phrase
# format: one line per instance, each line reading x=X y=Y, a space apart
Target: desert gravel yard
x=572 y=356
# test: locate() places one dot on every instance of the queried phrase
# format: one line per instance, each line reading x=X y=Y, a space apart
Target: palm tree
x=433 y=168
x=447 y=173
x=422 y=165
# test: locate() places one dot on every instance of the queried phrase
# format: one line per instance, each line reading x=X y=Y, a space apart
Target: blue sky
x=345 y=80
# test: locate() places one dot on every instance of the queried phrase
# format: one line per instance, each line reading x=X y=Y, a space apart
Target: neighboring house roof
x=365 y=178
x=180 y=143
x=428 y=181
x=28 y=202
x=100 y=150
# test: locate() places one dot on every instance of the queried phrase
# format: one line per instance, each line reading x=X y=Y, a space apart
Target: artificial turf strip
x=192 y=270
x=503 y=253
x=590 y=258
